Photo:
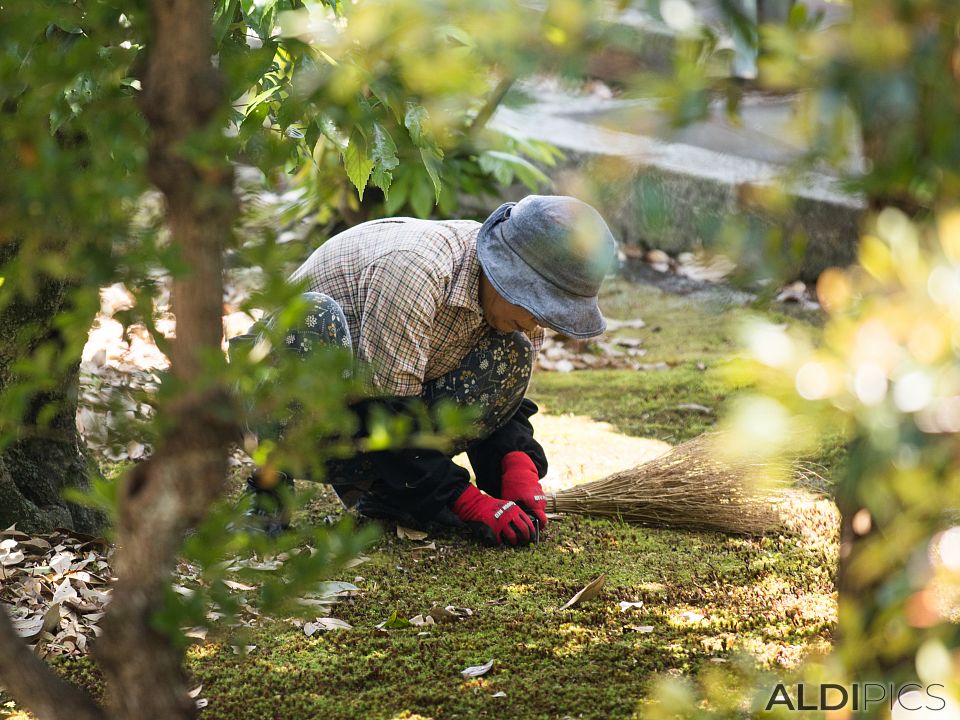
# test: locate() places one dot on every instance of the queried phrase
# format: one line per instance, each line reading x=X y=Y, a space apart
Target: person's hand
x=521 y=483
x=494 y=521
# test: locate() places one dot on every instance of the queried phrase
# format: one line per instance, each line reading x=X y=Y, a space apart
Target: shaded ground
x=706 y=597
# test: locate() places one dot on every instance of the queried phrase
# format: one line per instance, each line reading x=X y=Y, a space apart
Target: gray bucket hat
x=548 y=254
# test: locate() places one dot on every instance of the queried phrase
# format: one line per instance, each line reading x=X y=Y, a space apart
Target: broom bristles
x=688 y=487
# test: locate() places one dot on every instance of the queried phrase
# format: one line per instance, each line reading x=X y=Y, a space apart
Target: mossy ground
x=771 y=598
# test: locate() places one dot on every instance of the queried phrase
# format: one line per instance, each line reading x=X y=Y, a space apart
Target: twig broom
x=688 y=487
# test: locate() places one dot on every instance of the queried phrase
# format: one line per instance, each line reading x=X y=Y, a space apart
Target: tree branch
x=35 y=686
x=491 y=105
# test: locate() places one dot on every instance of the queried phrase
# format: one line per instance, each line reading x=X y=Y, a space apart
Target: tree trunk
x=43 y=460
x=162 y=498
x=170 y=493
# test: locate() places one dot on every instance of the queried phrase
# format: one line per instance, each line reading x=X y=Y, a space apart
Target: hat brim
x=518 y=283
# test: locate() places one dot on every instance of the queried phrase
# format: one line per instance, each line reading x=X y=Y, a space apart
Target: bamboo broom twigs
x=688 y=487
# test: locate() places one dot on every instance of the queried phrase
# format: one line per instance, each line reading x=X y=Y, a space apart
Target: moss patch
x=706 y=597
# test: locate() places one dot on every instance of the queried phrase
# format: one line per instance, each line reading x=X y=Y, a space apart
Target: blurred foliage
x=389 y=97
x=883 y=81
x=348 y=110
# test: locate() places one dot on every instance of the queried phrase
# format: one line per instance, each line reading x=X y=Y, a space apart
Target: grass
x=707 y=597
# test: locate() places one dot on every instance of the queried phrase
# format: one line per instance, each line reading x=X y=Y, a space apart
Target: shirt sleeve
x=399 y=296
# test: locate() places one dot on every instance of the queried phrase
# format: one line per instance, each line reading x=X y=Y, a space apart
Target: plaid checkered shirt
x=410 y=292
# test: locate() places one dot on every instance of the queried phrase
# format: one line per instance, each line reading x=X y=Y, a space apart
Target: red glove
x=495 y=521
x=521 y=483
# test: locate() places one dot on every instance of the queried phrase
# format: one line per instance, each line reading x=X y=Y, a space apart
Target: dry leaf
x=639 y=628
x=695 y=407
x=197 y=633
x=196 y=691
x=60 y=562
x=329 y=623
x=11 y=558
x=477 y=670
x=405 y=533
x=233 y=585
x=627 y=605
x=690 y=616
x=428 y=546
x=500 y=694
x=29 y=627
x=65 y=591
x=587 y=593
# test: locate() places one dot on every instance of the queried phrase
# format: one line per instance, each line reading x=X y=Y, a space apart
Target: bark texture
x=164 y=497
x=42 y=462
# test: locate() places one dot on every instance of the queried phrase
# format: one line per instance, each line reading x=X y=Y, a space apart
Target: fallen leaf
x=695 y=407
x=627 y=605
x=325 y=623
x=477 y=670
x=394 y=622
x=233 y=585
x=428 y=546
x=243 y=649
x=500 y=694
x=196 y=691
x=202 y=703
x=358 y=560
x=639 y=628
x=405 y=533
x=442 y=615
x=61 y=562
x=691 y=616
x=587 y=593
x=65 y=591
x=11 y=558
x=197 y=633
x=36 y=544
x=28 y=627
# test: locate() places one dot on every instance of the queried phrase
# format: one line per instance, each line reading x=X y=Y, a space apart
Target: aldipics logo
x=858 y=697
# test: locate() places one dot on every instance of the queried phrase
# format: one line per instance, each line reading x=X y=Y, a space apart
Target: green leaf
x=399 y=192
x=384 y=157
x=413 y=121
x=395 y=622
x=253 y=122
x=504 y=166
x=262 y=97
x=223 y=16
x=431 y=161
x=331 y=132
x=421 y=195
x=357 y=162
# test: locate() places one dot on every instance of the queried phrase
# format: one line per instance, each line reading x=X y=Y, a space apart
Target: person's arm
x=486 y=456
x=420 y=481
